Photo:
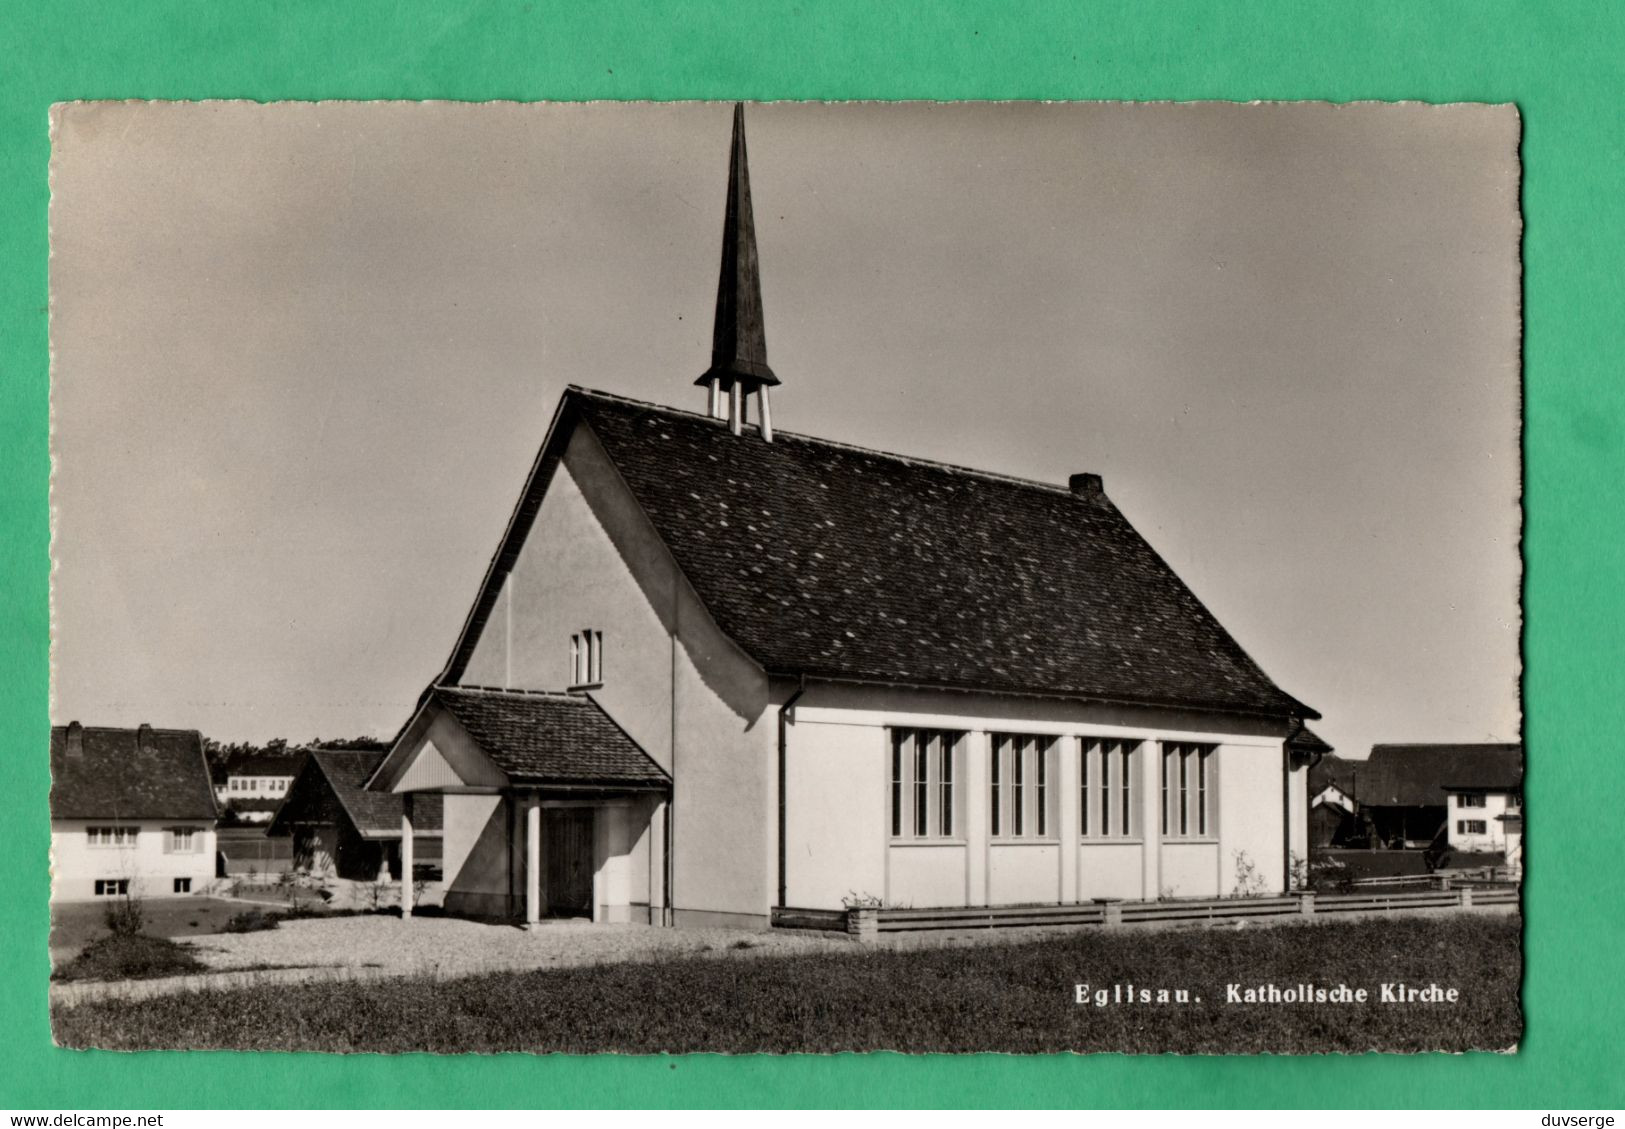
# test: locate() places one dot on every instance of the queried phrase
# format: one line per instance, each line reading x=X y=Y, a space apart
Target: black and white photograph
x=786 y=577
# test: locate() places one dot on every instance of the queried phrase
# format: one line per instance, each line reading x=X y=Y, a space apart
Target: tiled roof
x=551 y=738
x=1420 y=775
x=374 y=814
x=832 y=561
x=1306 y=740
x=117 y=775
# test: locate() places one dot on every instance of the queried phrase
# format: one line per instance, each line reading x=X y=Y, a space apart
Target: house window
x=1107 y=771
x=183 y=885
x=1024 y=806
x=587 y=658
x=110 y=836
x=182 y=840
x=924 y=783
x=112 y=887
x=1470 y=826
x=1470 y=799
x=1187 y=790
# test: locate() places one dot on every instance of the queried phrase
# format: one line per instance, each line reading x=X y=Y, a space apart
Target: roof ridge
x=126 y=729
x=507 y=691
x=875 y=452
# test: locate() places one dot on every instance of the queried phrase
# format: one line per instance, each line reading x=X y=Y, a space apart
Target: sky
x=303 y=355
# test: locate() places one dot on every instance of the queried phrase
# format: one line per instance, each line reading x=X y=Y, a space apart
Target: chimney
x=143 y=737
x=1086 y=485
x=76 y=739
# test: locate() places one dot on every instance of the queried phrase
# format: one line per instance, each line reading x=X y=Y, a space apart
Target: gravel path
x=372 y=947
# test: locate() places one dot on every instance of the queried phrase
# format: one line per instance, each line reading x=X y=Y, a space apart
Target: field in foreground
x=1017 y=997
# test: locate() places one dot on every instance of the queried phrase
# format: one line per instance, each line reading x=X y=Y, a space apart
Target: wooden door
x=567 y=849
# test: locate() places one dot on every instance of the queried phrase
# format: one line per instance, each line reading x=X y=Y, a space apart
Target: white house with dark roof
x=731 y=670
x=132 y=813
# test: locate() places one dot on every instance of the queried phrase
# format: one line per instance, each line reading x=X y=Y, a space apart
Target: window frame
x=182 y=884
x=586 y=659
x=112 y=888
x=1189 y=791
x=1025 y=809
x=1108 y=767
x=924 y=785
x=111 y=836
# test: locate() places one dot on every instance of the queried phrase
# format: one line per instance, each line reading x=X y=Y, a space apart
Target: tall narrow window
x=1201 y=794
x=587 y=658
x=924 y=777
x=1022 y=772
x=1125 y=786
x=1088 y=751
x=1167 y=762
x=1108 y=781
x=1041 y=790
x=1018 y=787
x=898 y=738
x=1187 y=789
x=995 y=806
x=1106 y=789
x=922 y=784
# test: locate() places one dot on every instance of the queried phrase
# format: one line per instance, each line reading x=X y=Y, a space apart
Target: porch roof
x=551 y=739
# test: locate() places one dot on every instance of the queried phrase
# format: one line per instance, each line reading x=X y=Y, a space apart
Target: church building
x=717 y=670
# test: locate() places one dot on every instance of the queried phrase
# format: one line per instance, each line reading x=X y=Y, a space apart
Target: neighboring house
x=1484 y=799
x=132 y=813
x=716 y=670
x=338 y=827
x=1333 y=815
x=1422 y=795
x=252 y=785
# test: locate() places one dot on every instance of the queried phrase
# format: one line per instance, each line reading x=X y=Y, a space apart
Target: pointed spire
x=739 y=340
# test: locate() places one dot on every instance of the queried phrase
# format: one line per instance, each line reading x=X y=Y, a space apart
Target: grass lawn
x=76 y=924
x=992 y=997
x=124 y=957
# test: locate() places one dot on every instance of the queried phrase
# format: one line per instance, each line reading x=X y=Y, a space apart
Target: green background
x=1562 y=64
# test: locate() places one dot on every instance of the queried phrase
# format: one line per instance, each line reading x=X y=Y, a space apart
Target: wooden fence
x=865 y=923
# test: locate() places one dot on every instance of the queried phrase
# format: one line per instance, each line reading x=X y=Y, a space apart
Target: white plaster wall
x=671 y=679
x=570 y=576
x=1250 y=814
x=75 y=865
x=926 y=877
x=723 y=812
x=1108 y=869
x=1299 y=816
x=1191 y=870
x=1494 y=837
x=1018 y=873
x=836 y=820
x=466 y=821
x=839 y=780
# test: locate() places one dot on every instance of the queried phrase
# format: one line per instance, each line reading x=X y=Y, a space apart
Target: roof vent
x=143 y=737
x=1086 y=485
x=76 y=739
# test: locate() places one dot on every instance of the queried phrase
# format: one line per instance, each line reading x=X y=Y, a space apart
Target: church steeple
x=739 y=339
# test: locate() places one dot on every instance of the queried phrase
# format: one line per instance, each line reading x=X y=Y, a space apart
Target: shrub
x=125 y=917
x=1249 y=883
x=251 y=921
x=130 y=956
